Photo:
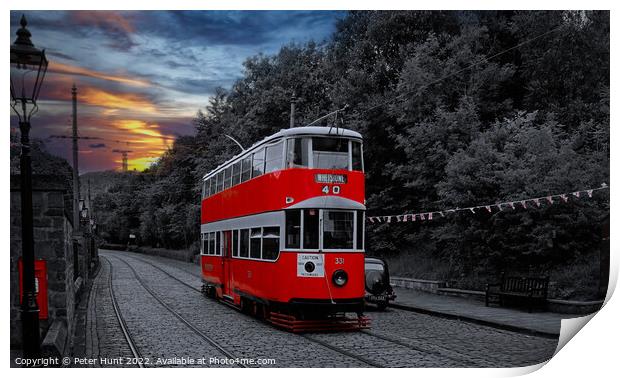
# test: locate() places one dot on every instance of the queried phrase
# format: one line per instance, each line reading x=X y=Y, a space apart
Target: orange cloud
x=104 y=19
x=131 y=101
x=146 y=142
x=67 y=69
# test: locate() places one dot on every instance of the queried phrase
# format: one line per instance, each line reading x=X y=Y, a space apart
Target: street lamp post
x=26 y=62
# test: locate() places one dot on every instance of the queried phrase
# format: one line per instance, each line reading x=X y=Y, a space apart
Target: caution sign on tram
x=310 y=265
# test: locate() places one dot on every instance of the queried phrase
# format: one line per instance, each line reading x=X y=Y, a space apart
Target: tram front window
x=311 y=229
x=337 y=229
x=297 y=152
x=330 y=153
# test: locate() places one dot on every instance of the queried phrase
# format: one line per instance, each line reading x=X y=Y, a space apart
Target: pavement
x=545 y=324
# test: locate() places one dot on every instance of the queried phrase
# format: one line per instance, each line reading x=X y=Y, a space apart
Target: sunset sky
x=143 y=75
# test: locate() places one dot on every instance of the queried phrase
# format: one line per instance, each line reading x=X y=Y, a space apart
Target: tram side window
x=255 y=238
x=356 y=156
x=271 y=243
x=273 y=157
x=258 y=163
x=218 y=243
x=220 y=182
x=205 y=244
x=297 y=152
x=246 y=169
x=337 y=229
x=227 y=177
x=212 y=186
x=311 y=229
x=236 y=173
x=330 y=153
x=244 y=245
x=235 y=243
x=211 y=243
x=360 y=230
x=293 y=228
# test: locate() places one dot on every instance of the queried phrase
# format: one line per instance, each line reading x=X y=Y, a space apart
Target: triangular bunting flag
x=523 y=204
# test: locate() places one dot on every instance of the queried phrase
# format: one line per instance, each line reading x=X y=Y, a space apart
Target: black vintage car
x=378 y=288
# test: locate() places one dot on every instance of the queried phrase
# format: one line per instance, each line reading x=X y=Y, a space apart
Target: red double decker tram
x=283 y=230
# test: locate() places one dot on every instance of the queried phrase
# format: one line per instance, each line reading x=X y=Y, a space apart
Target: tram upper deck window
x=273 y=157
x=228 y=177
x=297 y=152
x=212 y=186
x=258 y=163
x=246 y=169
x=220 y=182
x=271 y=243
x=330 y=153
x=236 y=173
x=337 y=229
x=356 y=156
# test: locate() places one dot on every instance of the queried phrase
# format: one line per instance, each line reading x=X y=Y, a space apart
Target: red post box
x=40 y=284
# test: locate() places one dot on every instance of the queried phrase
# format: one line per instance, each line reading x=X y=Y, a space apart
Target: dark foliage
x=528 y=122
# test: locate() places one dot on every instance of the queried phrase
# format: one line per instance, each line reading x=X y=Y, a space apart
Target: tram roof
x=304 y=130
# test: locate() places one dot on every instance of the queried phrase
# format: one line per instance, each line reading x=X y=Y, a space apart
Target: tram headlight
x=309 y=267
x=340 y=277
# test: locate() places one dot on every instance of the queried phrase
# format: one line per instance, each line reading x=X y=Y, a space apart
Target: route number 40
x=335 y=189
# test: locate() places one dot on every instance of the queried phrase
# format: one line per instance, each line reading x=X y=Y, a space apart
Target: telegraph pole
x=76 y=179
x=293 y=101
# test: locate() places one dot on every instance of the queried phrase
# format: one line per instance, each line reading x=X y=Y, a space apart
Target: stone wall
x=54 y=243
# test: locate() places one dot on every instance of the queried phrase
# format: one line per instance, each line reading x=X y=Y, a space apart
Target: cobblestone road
x=167 y=319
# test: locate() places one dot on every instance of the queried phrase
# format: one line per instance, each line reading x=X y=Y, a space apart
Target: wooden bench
x=532 y=290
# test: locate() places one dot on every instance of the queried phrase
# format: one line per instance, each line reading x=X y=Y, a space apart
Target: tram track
x=168 y=273
x=461 y=360
x=198 y=332
x=464 y=361
x=121 y=321
x=342 y=351
x=307 y=337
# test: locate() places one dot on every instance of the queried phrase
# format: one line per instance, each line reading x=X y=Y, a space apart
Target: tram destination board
x=328 y=178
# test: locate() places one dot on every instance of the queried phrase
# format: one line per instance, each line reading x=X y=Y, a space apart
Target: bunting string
x=490 y=208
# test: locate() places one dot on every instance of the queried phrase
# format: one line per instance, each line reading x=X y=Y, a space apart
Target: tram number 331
x=335 y=189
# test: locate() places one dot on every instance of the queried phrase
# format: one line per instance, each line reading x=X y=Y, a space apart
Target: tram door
x=227 y=261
